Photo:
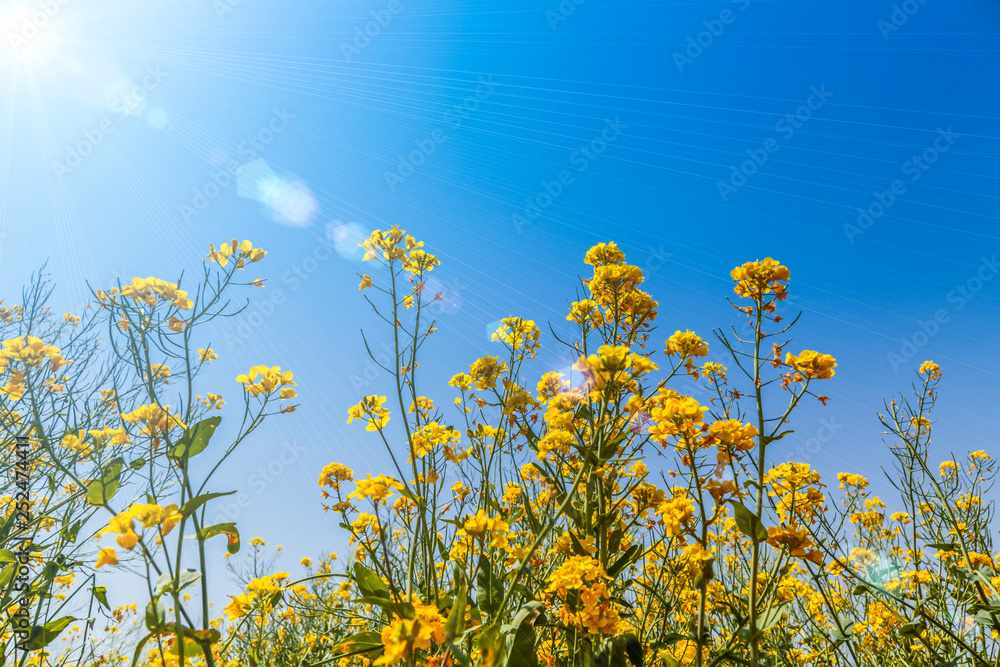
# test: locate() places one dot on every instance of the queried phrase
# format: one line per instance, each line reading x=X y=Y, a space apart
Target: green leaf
x=192 y=505
x=489 y=587
x=137 y=464
x=771 y=616
x=843 y=636
x=455 y=625
x=623 y=561
x=42 y=636
x=371 y=584
x=360 y=642
x=622 y=651
x=100 y=491
x=101 y=595
x=185 y=578
x=156 y=616
x=230 y=531
x=195 y=439
x=943 y=546
x=522 y=643
x=748 y=523
x=138 y=649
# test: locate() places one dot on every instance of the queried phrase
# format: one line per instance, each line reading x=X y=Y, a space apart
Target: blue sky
x=647 y=107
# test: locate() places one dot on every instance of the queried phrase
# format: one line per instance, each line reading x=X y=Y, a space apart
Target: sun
x=32 y=33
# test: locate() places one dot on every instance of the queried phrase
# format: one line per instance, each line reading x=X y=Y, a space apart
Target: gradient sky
x=161 y=93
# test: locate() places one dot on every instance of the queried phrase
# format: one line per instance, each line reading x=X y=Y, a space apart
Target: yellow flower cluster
x=594 y=610
x=404 y=635
x=152 y=291
x=33 y=352
x=519 y=334
x=241 y=253
x=264 y=380
x=396 y=245
x=258 y=594
x=492 y=530
x=431 y=435
x=157 y=421
x=811 y=365
x=370 y=408
x=123 y=524
x=755 y=280
x=614 y=365
x=335 y=473
x=377 y=488
x=674 y=415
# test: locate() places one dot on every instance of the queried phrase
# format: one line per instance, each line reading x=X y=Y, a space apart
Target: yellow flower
x=603 y=254
x=264 y=380
x=931 y=369
x=431 y=435
x=366 y=282
x=240 y=251
x=686 y=344
x=519 y=334
x=335 y=473
x=207 y=354
x=757 y=279
x=152 y=291
x=491 y=529
x=377 y=488
x=370 y=408
x=402 y=635
x=812 y=365
x=106 y=556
